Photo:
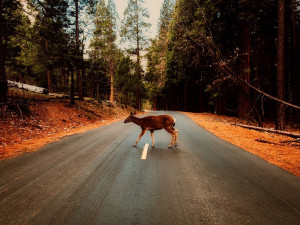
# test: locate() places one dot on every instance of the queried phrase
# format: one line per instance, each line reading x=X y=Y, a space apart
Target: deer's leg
x=142 y=133
x=152 y=132
x=173 y=136
x=176 y=135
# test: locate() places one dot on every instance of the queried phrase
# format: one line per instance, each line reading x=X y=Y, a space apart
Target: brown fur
x=153 y=123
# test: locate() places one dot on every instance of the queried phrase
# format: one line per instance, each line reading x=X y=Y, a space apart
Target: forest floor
x=284 y=155
x=46 y=119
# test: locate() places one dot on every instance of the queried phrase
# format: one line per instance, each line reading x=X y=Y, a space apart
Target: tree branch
x=290 y=134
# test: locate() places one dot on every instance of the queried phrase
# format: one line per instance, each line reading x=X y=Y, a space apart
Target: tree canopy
x=234 y=57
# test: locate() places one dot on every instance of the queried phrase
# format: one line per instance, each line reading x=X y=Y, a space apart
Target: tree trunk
x=111 y=95
x=201 y=100
x=48 y=70
x=66 y=83
x=220 y=106
x=93 y=85
x=111 y=98
x=61 y=80
x=185 y=99
x=295 y=73
x=83 y=83
x=126 y=99
x=155 y=104
x=79 y=80
x=79 y=83
x=21 y=76
x=290 y=134
x=72 y=87
x=166 y=102
x=244 y=93
x=98 y=88
x=49 y=79
x=138 y=101
x=281 y=66
x=3 y=80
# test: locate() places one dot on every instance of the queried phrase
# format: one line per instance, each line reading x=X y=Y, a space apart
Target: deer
x=153 y=123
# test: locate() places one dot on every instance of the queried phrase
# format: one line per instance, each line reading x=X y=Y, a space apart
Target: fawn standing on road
x=153 y=123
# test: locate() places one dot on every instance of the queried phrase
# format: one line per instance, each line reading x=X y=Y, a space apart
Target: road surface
x=98 y=177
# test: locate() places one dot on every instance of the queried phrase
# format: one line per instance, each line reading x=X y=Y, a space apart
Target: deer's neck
x=136 y=121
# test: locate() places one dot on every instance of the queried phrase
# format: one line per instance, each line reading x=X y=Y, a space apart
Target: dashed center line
x=144 y=155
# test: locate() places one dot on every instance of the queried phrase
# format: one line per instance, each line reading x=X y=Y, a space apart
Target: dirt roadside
x=286 y=156
x=48 y=121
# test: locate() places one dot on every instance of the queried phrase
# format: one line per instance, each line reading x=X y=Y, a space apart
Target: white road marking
x=144 y=155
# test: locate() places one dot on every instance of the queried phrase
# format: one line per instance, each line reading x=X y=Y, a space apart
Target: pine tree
x=245 y=46
x=156 y=56
x=281 y=64
x=79 y=5
x=125 y=80
x=22 y=52
x=79 y=81
x=112 y=37
x=105 y=36
x=166 y=13
x=9 y=20
x=50 y=26
x=133 y=30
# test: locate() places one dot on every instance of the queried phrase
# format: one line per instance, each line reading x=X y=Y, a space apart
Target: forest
x=236 y=57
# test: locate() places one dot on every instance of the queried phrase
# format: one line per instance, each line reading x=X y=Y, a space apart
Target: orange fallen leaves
x=50 y=121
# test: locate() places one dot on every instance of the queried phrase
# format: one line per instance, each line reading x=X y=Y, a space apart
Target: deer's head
x=129 y=118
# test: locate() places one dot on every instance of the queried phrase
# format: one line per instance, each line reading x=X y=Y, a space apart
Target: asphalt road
x=97 y=177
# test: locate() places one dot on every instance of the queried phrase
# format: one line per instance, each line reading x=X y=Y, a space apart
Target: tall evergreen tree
x=245 y=46
x=166 y=13
x=281 y=64
x=9 y=20
x=125 y=80
x=133 y=30
x=79 y=81
x=79 y=6
x=105 y=36
x=156 y=56
x=50 y=25
x=22 y=56
x=113 y=15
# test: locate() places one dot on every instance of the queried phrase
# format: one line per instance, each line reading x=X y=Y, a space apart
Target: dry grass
x=286 y=156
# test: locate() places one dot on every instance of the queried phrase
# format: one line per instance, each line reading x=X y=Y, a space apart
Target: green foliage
x=23 y=52
x=126 y=81
x=134 y=26
x=10 y=19
x=156 y=57
x=105 y=29
x=166 y=13
x=103 y=44
x=50 y=33
x=133 y=31
x=201 y=38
